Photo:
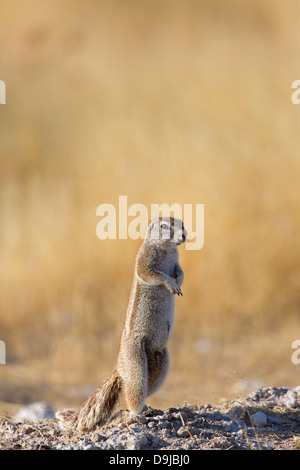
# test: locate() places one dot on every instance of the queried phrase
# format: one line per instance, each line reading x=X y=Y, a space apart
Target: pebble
x=134 y=443
x=182 y=432
x=259 y=419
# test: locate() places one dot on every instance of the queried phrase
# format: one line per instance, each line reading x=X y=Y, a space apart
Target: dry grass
x=186 y=102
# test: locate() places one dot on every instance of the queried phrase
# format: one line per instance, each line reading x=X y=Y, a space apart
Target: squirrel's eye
x=164 y=226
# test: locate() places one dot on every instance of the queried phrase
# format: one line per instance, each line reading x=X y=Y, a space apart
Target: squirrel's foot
x=174 y=288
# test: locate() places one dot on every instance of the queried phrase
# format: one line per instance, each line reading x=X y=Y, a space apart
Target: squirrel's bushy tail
x=97 y=408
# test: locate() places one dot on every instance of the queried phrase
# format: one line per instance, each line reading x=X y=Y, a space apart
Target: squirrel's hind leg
x=134 y=372
x=158 y=367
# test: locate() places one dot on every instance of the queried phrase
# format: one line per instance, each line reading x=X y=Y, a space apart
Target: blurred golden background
x=168 y=101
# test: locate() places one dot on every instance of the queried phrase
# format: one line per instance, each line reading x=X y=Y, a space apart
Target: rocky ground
x=266 y=419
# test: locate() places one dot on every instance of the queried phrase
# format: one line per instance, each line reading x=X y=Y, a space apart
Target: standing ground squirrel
x=143 y=359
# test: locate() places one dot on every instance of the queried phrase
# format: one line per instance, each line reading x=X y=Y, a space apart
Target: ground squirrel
x=143 y=359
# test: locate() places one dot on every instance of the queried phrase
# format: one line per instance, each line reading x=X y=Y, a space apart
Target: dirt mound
x=268 y=418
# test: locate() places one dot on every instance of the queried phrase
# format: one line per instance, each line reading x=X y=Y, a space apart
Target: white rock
x=259 y=419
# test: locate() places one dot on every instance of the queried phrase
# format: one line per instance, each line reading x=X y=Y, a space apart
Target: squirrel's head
x=166 y=230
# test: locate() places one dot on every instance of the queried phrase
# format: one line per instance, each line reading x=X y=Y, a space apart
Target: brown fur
x=143 y=359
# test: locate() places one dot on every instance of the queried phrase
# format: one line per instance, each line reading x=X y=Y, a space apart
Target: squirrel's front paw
x=174 y=288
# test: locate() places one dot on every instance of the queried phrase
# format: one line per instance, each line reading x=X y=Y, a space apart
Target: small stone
x=137 y=443
x=88 y=447
x=151 y=424
x=276 y=420
x=267 y=447
x=163 y=425
x=194 y=431
x=141 y=419
x=143 y=441
x=172 y=410
x=199 y=422
x=240 y=432
x=259 y=419
x=97 y=438
x=182 y=432
x=208 y=406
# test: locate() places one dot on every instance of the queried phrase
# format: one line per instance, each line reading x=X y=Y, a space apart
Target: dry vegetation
x=186 y=102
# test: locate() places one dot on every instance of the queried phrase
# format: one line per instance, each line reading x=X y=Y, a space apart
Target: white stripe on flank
x=130 y=306
x=142 y=280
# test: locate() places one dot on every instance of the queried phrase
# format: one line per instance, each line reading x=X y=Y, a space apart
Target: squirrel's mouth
x=178 y=241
